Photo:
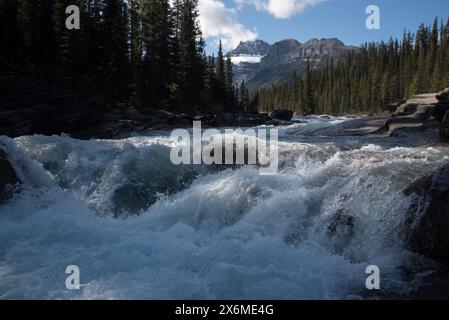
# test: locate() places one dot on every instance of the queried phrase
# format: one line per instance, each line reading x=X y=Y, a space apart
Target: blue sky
x=274 y=20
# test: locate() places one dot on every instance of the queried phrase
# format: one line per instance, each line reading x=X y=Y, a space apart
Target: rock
x=440 y=110
x=355 y=127
x=186 y=120
x=225 y=119
x=8 y=178
x=394 y=124
x=420 y=113
x=276 y=123
x=340 y=229
x=285 y=115
x=392 y=107
x=424 y=112
x=251 y=120
x=443 y=96
x=340 y=223
x=427 y=223
x=256 y=47
x=133 y=113
x=410 y=106
x=207 y=120
x=444 y=129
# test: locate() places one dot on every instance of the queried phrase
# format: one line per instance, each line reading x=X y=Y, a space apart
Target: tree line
x=147 y=52
x=370 y=78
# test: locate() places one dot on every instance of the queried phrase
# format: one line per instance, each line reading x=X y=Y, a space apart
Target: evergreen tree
x=191 y=69
x=10 y=33
x=136 y=48
x=152 y=52
x=308 y=91
x=367 y=80
x=116 y=59
x=156 y=33
x=221 y=76
x=71 y=45
x=243 y=97
x=229 y=84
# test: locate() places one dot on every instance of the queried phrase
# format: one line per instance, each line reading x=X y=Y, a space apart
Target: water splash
x=208 y=234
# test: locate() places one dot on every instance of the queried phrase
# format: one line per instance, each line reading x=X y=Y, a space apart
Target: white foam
x=230 y=234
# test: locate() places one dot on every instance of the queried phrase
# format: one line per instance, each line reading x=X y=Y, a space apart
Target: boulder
x=276 y=123
x=444 y=129
x=251 y=120
x=207 y=120
x=394 y=124
x=284 y=115
x=8 y=178
x=340 y=229
x=420 y=113
x=427 y=221
x=340 y=224
x=225 y=119
x=410 y=106
x=443 y=96
x=440 y=110
x=392 y=107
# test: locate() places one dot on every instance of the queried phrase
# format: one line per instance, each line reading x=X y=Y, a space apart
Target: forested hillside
x=146 y=52
x=371 y=78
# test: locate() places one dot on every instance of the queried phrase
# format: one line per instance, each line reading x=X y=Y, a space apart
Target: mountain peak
x=334 y=42
x=256 y=47
x=284 y=57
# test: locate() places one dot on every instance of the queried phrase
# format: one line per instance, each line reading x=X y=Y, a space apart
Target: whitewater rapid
x=139 y=227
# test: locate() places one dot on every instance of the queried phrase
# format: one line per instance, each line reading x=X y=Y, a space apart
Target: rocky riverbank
x=120 y=123
x=420 y=113
x=425 y=114
x=32 y=105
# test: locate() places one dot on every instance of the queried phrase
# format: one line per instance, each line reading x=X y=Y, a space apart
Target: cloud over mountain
x=219 y=22
x=281 y=9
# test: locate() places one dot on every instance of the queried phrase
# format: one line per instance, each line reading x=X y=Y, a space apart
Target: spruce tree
x=10 y=33
x=221 y=76
x=156 y=64
x=136 y=47
x=309 y=102
x=191 y=69
x=243 y=97
x=229 y=84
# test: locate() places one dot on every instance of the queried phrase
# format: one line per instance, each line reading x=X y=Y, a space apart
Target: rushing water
x=138 y=226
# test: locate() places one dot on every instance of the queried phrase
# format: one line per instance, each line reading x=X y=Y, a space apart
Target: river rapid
x=139 y=227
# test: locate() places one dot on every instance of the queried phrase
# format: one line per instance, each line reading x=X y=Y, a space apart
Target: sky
x=274 y=20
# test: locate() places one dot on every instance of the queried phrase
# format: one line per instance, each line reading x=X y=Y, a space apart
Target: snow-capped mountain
x=261 y=64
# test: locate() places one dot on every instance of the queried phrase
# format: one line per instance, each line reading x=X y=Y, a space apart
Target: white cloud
x=280 y=9
x=219 y=22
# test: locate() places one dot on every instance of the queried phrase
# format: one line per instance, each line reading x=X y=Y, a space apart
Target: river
x=139 y=227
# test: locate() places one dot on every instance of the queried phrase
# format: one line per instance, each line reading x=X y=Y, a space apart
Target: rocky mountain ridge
x=280 y=60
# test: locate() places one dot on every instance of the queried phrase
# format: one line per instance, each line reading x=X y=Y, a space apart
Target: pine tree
x=309 y=102
x=221 y=76
x=71 y=45
x=191 y=69
x=254 y=102
x=243 y=97
x=136 y=47
x=116 y=63
x=156 y=64
x=229 y=84
x=10 y=33
x=375 y=75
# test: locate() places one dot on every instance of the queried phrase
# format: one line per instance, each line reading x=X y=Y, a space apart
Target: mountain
x=279 y=61
x=257 y=47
